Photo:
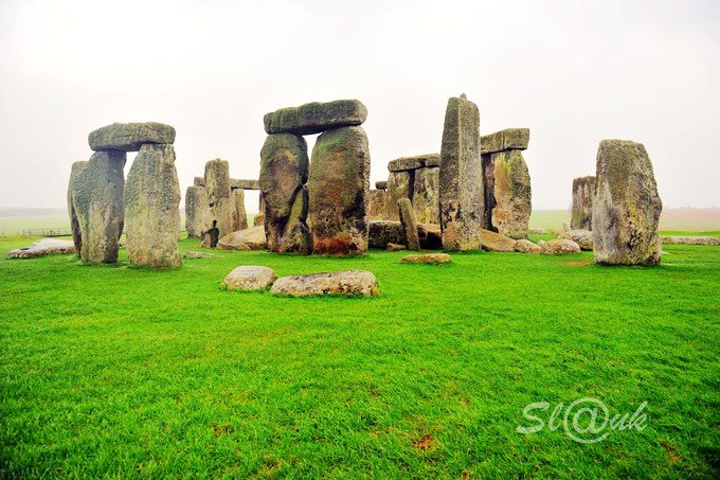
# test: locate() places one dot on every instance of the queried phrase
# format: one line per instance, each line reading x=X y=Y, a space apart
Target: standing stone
x=407 y=218
x=283 y=173
x=76 y=172
x=583 y=191
x=488 y=189
x=377 y=205
x=626 y=207
x=461 y=182
x=399 y=185
x=221 y=203
x=239 y=215
x=97 y=194
x=196 y=203
x=338 y=185
x=512 y=192
x=152 y=198
x=425 y=195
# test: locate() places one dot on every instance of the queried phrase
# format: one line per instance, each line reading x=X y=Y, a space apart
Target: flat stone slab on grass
x=315 y=117
x=190 y=254
x=129 y=137
x=46 y=246
x=344 y=283
x=496 y=242
x=526 y=246
x=249 y=239
x=430 y=258
x=249 y=278
x=559 y=246
x=691 y=240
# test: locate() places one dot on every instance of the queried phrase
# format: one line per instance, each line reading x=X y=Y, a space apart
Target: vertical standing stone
x=76 y=172
x=583 y=191
x=152 y=198
x=98 y=202
x=338 y=186
x=409 y=225
x=425 y=195
x=461 y=183
x=283 y=173
x=239 y=214
x=626 y=207
x=399 y=185
x=221 y=204
x=196 y=203
x=377 y=205
x=513 y=205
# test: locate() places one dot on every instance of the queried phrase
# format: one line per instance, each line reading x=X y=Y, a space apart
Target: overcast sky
x=573 y=72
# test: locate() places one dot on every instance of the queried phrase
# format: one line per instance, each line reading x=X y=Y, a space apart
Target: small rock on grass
x=249 y=278
x=430 y=258
x=559 y=247
x=395 y=247
x=191 y=254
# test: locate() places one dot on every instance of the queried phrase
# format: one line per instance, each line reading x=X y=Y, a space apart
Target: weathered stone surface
x=425 y=196
x=413 y=163
x=75 y=173
x=259 y=220
x=221 y=202
x=248 y=239
x=400 y=185
x=496 y=242
x=383 y=232
x=508 y=139
x=152 y=199
x=199 y=181
x=381 y=185
x=431 y=258
x=583 y=191
x=395 y=247
x=407 y=219
x=430 y=236
x=512 y=194
x=338 y=185
x=129 y=137
x=283 y=173
x=559 y=247
x=239 y=215
x=46 y=246
x=526 y=246
x=376 y=204
x=626 y=207
x=690 y=240
x=461 y=183
x=97 y=196
x=315 y=117
x=347 y=283
x=245 y=184
x=196 y=204
x=584 y=238
x=249 y=278
x=197 y=255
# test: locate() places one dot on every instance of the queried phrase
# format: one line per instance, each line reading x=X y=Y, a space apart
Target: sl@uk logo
x=586 y=420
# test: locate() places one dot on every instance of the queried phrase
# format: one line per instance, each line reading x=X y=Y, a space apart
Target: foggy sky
x=573 y=72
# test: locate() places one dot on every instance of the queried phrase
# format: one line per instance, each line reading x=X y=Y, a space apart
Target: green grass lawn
x=123 y=372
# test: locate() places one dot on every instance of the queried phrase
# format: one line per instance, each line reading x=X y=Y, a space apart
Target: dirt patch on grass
x=578 y=263
x=671 y=453
x=426 y=443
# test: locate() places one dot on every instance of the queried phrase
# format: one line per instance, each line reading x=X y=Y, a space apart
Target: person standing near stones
x=211 y=237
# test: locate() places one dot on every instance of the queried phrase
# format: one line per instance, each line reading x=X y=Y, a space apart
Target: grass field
x=123 y=372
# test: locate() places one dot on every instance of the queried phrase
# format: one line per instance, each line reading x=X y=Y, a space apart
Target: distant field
x=679 y=219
